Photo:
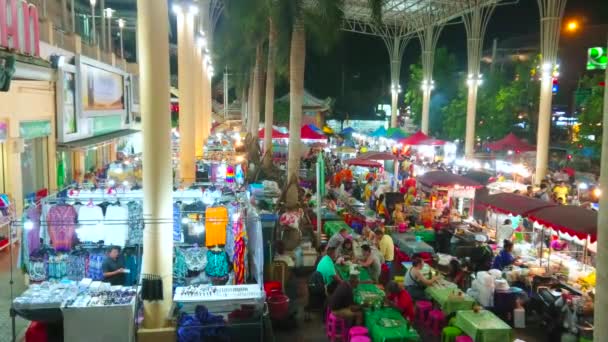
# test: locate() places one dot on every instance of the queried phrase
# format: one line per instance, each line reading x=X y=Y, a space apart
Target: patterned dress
x=61 y=221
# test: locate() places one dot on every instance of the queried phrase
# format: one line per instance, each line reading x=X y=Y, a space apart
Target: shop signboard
x=597 y=58
x=19 y=30
x=101 y=88
x=106 y=124
x=34 y=129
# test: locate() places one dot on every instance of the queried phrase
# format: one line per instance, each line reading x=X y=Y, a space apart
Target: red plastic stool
x=423 y=307
x=463 y=338
x=436 y=322
x=357 y=331
x=360 y=339
x=335 y=327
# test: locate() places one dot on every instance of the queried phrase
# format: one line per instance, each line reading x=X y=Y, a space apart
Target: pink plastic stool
x=463 y=338
x=336 y=328
x=423 y=307
x=360 y=339
x=357 y=331
x=436 y=322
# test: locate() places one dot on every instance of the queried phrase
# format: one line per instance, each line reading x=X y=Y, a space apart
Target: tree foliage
x=591 y=116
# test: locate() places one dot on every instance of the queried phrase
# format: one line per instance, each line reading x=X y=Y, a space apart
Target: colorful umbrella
x=396 y=133
x=414 y=139
x=363 y=162
x=379 y=133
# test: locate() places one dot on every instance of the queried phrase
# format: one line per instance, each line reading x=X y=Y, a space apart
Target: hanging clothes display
x=95 y=261
x=240 y=247
x=61 y=221
x=217 y=264
x=116 y=230
x=216 y=220
x=90 y=218
x=136 y=223
x=177 y=222
x=180 y=269
x=32 y=216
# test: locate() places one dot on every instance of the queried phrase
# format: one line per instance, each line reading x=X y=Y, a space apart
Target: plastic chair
x=335 y=327
x=357 y=331
x=360 y=339
x=463 y=338
x=436 y=321
x=449 y=334
x=423 y=307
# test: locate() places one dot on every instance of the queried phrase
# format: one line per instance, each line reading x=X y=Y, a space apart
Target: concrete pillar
x=185 y=65
x=426 y=105
x=544 y=127
x=153 y=52
x=601 y=291
x=199 y=75
x=102 y=14
x=428 y=42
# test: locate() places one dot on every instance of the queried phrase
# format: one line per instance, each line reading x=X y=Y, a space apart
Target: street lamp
x=474 y=81
x=428 y=85
x=395 y=88
x=572 y=26
x=121 y=26
x=93 y=37
x=108 y=11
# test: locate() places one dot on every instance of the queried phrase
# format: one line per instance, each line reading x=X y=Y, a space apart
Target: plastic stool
x=335 y=327
x=360 y=339
x=357 y=331
x=452 y=322
x=463 y=338
x=436 y=322
x=449 y=334
x=423 y=307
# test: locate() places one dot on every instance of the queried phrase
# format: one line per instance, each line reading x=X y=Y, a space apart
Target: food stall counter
x=483 y=326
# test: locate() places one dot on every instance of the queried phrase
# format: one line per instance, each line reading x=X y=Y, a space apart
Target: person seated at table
x=280 y=254
x=505 y=257
x=399 y=216
x=400 y=299
x=367 y=192
x=380 y=206
x=415 y=283
x=367 y=234
x=337 y=239
x=346 y=250
x=456 y=273
x=327 y=268
x=331 y=203
x=342 y=301
x=371 y=262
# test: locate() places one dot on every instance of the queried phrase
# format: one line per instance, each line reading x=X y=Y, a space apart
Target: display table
x=114 y=323
x=388 y=325
x=426 y=235
x=448 y=298
x=483 y=326
x=369 y=295
x=344 y=273
x=332 y=227
x=408 y=244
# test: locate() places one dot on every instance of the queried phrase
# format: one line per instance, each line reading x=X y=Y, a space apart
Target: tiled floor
x=5 y=293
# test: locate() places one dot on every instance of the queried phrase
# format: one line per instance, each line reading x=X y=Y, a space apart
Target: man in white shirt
x=504 y=232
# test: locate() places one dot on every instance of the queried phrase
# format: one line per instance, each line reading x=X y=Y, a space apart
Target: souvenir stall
x=221 y=166
x=450 y=191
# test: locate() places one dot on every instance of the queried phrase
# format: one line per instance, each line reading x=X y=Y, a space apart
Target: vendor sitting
x=399 y=216
x=113 y=268
x=327 y=268
x=505 y=257
x=400 y=300
x=415 y=283
x=381 y=207
x=280 y=254
x=345 y=250
x=371 y=262
x=337 y=239
x=341 y=302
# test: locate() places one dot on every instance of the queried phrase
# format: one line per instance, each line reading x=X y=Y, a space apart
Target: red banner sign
x=19 y=29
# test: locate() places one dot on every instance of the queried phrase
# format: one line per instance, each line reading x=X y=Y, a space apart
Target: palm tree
x=269 y=101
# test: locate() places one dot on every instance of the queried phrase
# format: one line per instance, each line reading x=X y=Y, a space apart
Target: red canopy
x=446 y=179
x=510 y=142
x=414 y=139
x=374 y=155
x=517 y=205
x=571 y=220
x=363 y=162
x=276 y=134
x=432 y=142
x=308 y=133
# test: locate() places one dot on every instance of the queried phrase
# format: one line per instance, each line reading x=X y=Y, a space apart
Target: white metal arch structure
x=401 y=20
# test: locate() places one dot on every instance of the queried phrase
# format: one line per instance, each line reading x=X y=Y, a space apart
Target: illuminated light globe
x=230 y=174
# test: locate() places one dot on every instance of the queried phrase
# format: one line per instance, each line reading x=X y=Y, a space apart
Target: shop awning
x=97 y=140
x=446 y=179
x=414 y=139
x=309 y=133
x=276 y=134
x=572 y=220
x=363 y=162
x=510 y=142
x=516 y=205
x=374 y=155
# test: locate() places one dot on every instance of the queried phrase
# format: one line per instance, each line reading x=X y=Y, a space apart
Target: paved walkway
x=5 y=293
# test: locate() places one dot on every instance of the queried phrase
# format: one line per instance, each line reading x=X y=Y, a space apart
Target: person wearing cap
x=342 y=301
x=386 y=247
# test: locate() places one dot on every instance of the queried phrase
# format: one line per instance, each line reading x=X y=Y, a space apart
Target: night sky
x=364 y=59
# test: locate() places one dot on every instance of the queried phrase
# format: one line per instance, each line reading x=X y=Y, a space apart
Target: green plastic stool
x=452 y=322
x=449 y=334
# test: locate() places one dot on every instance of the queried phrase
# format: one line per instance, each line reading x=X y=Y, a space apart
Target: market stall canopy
x=432 y=142
x=379 y=133
x=363 y=162
x=308 y=133
x=396 y=133
x=348 y=130
x=315 y=128
x=328 y=130
x=414 y=139
x=510 y=142
x=516 y=205
x=572 y=220
x=375 y=155
x=276 y=134
x=479 y=176
x=446 y=179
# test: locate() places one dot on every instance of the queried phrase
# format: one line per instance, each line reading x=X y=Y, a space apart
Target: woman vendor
x=415 y=283
x=380 y=206
x=505 y=258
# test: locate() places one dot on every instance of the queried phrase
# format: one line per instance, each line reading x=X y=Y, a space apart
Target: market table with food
x=411 y=245
x=333 y=227
x=345 y=270
x=388 y=325
x=449 y=298
x=483 y=326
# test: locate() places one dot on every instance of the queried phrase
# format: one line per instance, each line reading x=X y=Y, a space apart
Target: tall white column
x=551 y=13
x=102 y=5
x=199 y=75
x=428 y=42
x=152 y=23
x=601 y=291
x=426 y=105
x=469 y=140
x=185 y=65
